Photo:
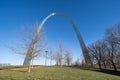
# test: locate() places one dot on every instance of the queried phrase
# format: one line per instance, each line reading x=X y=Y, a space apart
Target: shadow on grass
x=107 y=71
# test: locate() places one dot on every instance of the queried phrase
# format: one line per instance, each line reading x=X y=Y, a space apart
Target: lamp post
x=46 y=57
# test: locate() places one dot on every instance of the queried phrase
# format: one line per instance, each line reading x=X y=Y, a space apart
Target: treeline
x=62 y=56
x=105 y=53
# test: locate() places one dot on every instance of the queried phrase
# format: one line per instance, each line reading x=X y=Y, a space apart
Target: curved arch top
x=81 y=42
x=79 y=37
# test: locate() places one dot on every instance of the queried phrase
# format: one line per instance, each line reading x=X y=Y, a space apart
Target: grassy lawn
x=56 y=73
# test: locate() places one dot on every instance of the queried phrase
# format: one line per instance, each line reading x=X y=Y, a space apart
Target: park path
x=14 y=69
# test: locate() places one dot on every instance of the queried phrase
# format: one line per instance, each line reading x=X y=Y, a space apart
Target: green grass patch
x=57 y=73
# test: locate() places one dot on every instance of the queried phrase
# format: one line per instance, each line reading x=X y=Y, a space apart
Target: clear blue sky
x=92 y=17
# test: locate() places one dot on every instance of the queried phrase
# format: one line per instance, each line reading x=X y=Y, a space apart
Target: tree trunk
x=61 y=63
x=68 y=64
x=32 y=63
x=51 y=61
x=104 y=64
x=113 y=64
x=99 y=63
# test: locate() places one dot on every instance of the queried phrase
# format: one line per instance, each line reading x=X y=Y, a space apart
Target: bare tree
x=51 y=56
x=28 y=46
x=104 y=53
x=116 y=40
x=112 y=46
x=107 y=52
x=58 y=58
x=60 y=52
x=97 y=51
x=77 y=62
x=68 y=57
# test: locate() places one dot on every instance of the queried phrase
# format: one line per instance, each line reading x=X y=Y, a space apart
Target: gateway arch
x=30 y=51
